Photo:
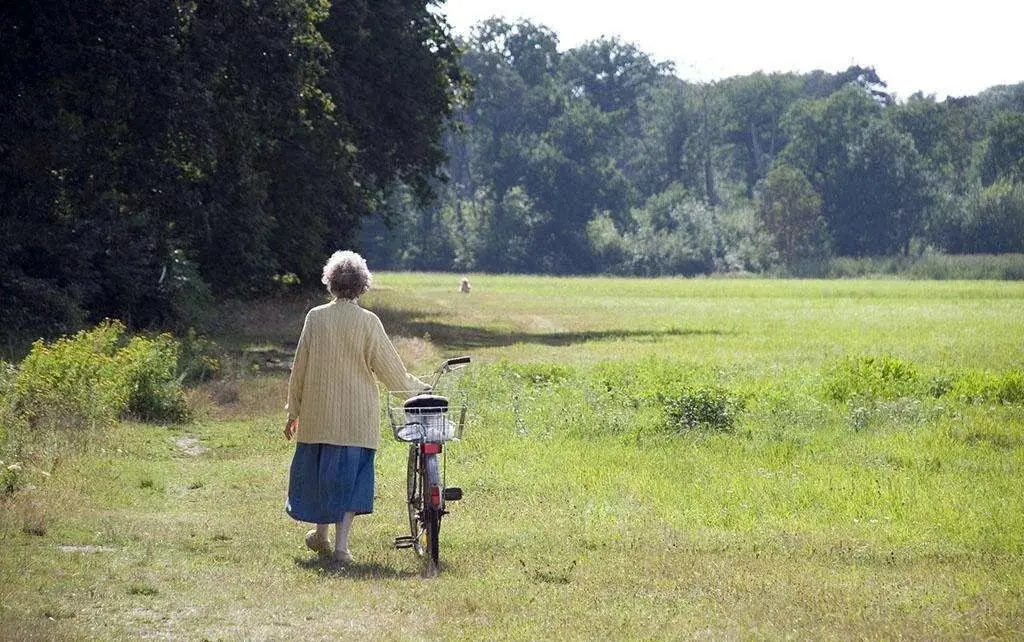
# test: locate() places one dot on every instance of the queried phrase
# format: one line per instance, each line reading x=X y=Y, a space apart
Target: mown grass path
x=584 y=515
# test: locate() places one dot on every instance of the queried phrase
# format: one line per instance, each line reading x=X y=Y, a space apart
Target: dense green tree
x=672 y=233
x=613 y=75
x=532 y=142
x=881 y=195
x=870 y=177
x=756 y=104
x=1004 y=148
x=791 y=211
x=822 y=84
x=943 y=135
x=515 y=97
x=670 y=121
x=84 y=162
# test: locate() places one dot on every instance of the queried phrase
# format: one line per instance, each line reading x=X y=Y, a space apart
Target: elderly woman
x=334 y=407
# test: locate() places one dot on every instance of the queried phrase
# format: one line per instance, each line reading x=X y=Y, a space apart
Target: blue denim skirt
x=327 y=481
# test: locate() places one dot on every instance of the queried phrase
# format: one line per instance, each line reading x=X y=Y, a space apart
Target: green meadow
x=643 y=459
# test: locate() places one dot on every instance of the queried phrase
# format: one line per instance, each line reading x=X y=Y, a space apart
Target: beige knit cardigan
x=332 y=391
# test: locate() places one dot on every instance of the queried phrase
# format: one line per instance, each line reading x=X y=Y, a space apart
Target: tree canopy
x=152 y=152
x=757 y=172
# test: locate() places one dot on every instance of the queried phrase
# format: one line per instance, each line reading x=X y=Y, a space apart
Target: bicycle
x=423 y=422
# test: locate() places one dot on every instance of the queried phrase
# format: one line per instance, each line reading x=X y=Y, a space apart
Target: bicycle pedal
x=404 y=542
x=452 y=494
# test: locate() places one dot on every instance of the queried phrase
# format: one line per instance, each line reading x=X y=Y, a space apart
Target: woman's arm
x=298 y=375
x=388 y=366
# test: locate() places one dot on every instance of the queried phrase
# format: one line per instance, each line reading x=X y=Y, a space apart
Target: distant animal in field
x=464 y=286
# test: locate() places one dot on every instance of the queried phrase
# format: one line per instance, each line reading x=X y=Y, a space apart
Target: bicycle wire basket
x=427 y=418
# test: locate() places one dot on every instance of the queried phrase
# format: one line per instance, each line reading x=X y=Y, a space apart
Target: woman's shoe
x=343 y=556
x=315 y=542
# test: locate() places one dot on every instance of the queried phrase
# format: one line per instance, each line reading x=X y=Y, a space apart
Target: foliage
x=74 y=384
x=873 y=186
x=884 y=377
x=150 y=368
x=81 y=384
x=200 y=358
x=929 y=265
x=791 y=212
x=1004 y=149
x=8 y=375
x=589 y=139
x=704 y=408
x=985 y=387
x=682 y=398
x=674 y=233
x=995 y=267
x=992 y=221
x=170 y=150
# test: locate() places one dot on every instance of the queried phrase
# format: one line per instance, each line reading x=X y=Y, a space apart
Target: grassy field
x=591 y=510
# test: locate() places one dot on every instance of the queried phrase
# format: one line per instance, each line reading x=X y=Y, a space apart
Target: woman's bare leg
x=341 y=530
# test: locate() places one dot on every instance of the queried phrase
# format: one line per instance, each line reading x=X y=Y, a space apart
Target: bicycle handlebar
x=455 y=361
x=447 y=366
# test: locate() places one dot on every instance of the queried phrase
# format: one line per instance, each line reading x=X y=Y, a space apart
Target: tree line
x=600 y=159
x=155 y=156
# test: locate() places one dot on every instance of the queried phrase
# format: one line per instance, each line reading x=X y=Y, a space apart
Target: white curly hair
x=346 y=275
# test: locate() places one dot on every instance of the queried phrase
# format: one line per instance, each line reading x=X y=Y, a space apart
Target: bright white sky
x=949 y=47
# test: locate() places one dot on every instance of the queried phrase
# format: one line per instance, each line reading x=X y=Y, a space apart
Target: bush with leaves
x=199 y=358
x=709 y=408
x=670 y=394
x=148 y=367
x=83 y=383
x=884 y=377
x=73 y=383
x=985 y=387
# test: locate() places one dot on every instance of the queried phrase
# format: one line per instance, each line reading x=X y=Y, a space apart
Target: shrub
x=883 y=377
x=8 y=373
x=148 y=367
x=703 y=408
x=10 y=479
x=641 y=382
x=85 y=382
x=1007 y=267
x=676 y=395
x=983 y=387
x=1011 y=387
x=74 y=383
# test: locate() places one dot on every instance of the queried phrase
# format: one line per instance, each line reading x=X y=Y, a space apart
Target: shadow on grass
x=356 y=571
x=402 y=322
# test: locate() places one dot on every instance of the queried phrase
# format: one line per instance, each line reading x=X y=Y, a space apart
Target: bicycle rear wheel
x=414 y=497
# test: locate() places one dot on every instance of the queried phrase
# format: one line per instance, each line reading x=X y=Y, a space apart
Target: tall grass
x=929 y=266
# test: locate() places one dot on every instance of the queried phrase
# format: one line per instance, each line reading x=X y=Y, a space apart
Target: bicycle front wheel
x=432 y=529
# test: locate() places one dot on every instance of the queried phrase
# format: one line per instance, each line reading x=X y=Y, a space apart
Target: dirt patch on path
x=190 y=446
